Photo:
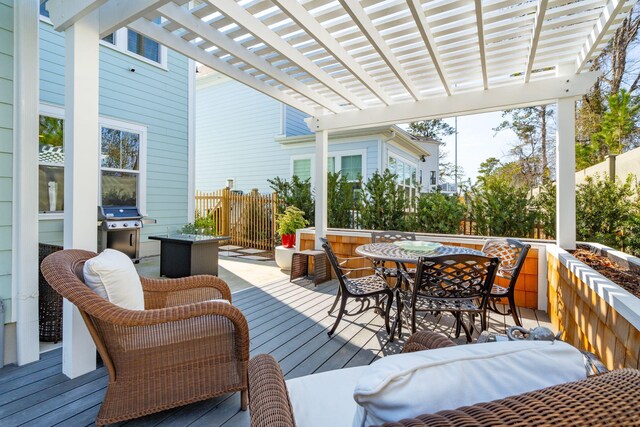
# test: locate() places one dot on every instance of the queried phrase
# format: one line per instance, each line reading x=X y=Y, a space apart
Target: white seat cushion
x=407 y=385
x=113 y=276
x=325 y=399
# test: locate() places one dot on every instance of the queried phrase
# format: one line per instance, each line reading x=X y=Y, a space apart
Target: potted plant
x=288 y=222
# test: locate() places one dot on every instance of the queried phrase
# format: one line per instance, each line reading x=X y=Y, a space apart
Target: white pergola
x=347 y=63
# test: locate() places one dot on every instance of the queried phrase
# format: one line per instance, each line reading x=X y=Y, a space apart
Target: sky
x=477 y=141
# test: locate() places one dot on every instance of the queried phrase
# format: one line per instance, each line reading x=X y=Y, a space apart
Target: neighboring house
x=145 y=139
x=244 y=138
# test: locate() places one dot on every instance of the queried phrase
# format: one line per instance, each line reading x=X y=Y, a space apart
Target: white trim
x=49 y=216
x=24 y=227
x=191 y=142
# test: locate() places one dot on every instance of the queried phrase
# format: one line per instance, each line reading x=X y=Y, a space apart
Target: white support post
x=81 y=173
x=191 y=178
x=25 y=181
x=565 y=174
x=322 y=154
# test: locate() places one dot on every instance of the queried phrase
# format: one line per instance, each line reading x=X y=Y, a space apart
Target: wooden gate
x=248 y=219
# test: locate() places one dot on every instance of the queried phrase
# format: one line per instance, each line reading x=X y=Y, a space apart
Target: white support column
x=191 y=184
x=565 y=174
x=322 y=154
x=25 y=180
x=81 y=173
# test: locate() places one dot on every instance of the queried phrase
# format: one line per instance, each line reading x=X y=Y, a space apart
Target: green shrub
x=438 y=213
x=545 y=206
x=296 y=193
x=342 y=199
x=383 y=203
x=500 y=208
x=291 y=220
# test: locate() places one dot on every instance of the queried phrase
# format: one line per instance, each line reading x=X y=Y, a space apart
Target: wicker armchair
x=609 y=399
x=182 y=348
x=49 y=301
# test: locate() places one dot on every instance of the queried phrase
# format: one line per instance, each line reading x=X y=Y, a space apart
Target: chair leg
x=244 y=399
x=387 y=313
x=458 y=325
x=343 y=306
x=466 y=329
x=400 y=307
x=335 y=301
x=413 y=320
x=514 y=311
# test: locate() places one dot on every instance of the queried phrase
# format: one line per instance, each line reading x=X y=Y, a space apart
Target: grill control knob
x=137 y=224
x=113 y=225
x=125 y=225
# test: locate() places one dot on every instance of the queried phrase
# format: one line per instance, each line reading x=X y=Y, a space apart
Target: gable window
x=51 y=161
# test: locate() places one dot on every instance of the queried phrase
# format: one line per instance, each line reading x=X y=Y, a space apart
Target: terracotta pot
x=288 y=240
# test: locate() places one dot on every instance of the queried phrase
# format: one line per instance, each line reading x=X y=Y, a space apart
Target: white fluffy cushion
x=325 y=399
x=113 y=276
x=407 y=385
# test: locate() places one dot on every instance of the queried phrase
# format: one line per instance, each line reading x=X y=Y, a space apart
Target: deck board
x=288 y=320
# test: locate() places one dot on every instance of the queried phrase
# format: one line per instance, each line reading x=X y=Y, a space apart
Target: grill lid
x=118 y=212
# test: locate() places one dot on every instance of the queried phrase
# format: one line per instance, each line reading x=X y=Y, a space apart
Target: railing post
x=225 y=214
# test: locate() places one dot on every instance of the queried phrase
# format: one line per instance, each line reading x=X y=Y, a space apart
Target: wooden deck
x=287 y=320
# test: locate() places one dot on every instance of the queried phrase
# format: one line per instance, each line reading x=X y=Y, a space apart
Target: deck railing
x=248 y=219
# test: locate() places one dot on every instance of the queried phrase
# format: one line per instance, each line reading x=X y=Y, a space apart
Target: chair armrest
x=269 y=403
x=426 y=340
x=162 y=293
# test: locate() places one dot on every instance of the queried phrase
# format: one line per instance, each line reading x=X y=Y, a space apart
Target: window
x=111 y=38
x=121 y=180
x=143 y=46
x=406 y=173
x=302 y=168
x=51 y=162
x=351 y=167
x=331 y=164
x=43 y=8
x=432 y=177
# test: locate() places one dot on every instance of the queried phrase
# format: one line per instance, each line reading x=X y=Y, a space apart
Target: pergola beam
x=535 y=37
x=483 y=56
x=195 y=25
x=65 y=13
x=423 y=26
x=237 y=13
x=168 y=39
x=610 y=12
x=472 y=102
x=119 y=13
x=313 y=28
x=362 y=20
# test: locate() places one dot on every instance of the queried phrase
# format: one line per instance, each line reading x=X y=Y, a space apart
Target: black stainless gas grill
x=119 y=228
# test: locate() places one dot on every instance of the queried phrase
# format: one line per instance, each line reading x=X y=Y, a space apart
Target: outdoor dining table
x=394 y=253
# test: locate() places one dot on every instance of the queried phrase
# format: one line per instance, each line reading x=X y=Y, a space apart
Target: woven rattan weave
x=183 y=348
x=49 y=301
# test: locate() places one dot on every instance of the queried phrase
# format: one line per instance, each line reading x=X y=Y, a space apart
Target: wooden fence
x=248 y=219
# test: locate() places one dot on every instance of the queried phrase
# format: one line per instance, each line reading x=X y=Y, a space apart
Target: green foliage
x=545 y=207
x=203 y=224
x=383 y=203
x=500 y=208
x=296 y=193
x=438 y=213
x=342 y=199
x=434 y=129
x=605 y=211
x=291 y=220
x=51 y=131
x=619 y=122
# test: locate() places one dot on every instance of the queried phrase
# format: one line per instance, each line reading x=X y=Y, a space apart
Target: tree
x=341 y=201
x=619 y=123
x=531 y=126
x=383 y=203
x=296 y=193
x=438 y=213
x=433 y=129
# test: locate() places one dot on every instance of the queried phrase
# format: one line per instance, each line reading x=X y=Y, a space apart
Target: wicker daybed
x=609 y=399
x=182 y=348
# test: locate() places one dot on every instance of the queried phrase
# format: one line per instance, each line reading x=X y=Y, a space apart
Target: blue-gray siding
x=294 y=122
x=6 y=150
x=151 y=97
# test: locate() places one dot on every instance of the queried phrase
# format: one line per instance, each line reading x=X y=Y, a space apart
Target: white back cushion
x=113 y=276
x=407 y=385
x=325 y=399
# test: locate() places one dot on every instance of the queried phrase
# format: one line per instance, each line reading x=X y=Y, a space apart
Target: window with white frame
x=122 y=162
x=350 y=164
x=129 y=41
x=301 y=168
x=406 y=172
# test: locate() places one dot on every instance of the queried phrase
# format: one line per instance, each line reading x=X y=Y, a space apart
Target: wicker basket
x=50 y=302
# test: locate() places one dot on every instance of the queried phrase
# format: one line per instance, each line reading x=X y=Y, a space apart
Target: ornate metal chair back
x=455 y=277
x=512 y=254
x=335 y=264
x=391 y=236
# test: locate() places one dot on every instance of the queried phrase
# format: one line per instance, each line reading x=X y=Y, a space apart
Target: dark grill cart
x=183 y=255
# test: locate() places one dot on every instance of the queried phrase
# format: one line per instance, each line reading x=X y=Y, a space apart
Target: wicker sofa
x=182 y=348
x=611 y=399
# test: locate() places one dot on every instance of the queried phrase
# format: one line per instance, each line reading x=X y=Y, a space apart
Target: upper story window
x=129 y=41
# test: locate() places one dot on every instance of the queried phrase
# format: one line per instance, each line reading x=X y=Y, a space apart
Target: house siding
x=294 y=122
x=236 y=129
x=6 y=151
x=150 y=96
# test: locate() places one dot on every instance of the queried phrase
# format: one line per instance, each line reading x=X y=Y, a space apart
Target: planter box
x=594 y=313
